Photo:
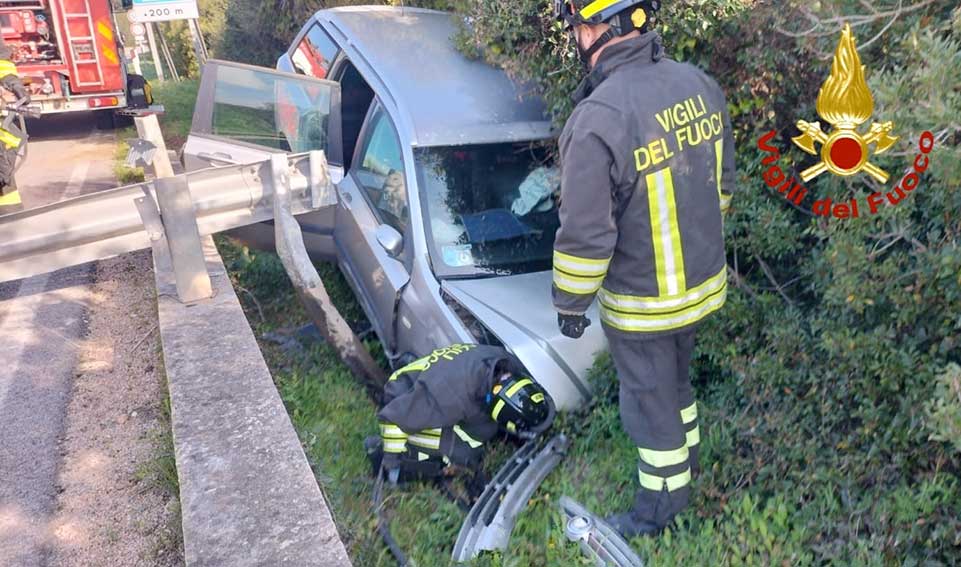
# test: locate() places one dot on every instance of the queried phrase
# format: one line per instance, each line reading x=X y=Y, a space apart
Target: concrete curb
x=247 y=493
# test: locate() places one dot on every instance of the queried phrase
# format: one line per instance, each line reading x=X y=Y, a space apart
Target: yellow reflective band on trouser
x=9 y=140
x=694 y=436
x=577 y=266
x=391 y=430
x=657 y=483
x=689 y=413
x=428 y=438
x=596 y=7
x=662 y=459
x=474 y=443
x=577 y=285
x=665 y=231
x=8 y=199
x=393 y=437
x=7 y=67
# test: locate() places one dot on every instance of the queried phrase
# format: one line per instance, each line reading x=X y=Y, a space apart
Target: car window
x=489 y=208
x=315 y=53
x=381 y=172
x=269 y=109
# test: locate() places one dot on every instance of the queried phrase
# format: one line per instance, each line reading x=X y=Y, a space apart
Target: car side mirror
x=390 y=240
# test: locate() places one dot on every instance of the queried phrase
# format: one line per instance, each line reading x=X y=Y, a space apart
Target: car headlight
x=481 y=333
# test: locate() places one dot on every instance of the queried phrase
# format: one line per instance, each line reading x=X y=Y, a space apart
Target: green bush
x=944 y=410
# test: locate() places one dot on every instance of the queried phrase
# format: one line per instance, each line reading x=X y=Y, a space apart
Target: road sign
x=138 y=30
x=164 y=10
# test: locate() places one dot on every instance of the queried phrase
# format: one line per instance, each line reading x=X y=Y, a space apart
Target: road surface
x=41 y=321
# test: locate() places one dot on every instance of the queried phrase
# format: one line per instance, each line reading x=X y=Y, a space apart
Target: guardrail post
x=303 y=275
x=148 y=128
x=183 y=239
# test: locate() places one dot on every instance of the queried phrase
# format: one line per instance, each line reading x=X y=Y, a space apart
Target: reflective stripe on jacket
x=647 y=167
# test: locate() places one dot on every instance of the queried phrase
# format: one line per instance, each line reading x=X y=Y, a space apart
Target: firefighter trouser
x=9 y=195
x=660 y=415
x=451 y=445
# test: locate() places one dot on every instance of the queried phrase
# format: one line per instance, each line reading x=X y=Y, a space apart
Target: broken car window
x=489 y=208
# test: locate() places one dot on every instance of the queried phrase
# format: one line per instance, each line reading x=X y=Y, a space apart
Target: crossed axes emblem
x=844 y=151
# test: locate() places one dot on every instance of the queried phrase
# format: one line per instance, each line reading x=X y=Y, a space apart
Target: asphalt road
x=42 y=320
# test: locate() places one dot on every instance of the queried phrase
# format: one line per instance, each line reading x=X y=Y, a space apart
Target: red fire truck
x=68 y=53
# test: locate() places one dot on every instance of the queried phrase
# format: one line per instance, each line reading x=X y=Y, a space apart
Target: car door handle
x=347 y=199
x=218 y=156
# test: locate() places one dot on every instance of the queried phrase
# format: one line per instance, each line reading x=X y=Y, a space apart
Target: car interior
x=356 y=98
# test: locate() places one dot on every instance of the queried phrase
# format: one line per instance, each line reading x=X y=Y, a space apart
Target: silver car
x=445 y=210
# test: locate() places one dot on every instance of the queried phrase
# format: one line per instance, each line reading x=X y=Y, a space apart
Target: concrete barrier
x=247 y=493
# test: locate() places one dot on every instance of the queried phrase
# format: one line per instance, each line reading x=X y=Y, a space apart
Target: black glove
x=572 y=325
x=13 y=84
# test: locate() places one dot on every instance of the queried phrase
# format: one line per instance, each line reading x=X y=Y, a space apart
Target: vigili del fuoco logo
x=844 y=102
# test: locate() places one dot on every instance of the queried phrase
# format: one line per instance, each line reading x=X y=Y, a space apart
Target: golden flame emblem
x=845 y=102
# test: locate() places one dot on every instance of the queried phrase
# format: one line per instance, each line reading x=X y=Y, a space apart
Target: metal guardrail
x=109 y=223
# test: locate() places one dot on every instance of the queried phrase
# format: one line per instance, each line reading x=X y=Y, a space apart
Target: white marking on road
x=77 y=179
x=18 y=327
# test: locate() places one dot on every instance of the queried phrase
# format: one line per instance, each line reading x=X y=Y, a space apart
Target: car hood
x=519 y=311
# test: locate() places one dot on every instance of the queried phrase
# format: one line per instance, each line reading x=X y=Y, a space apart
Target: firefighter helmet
x=518 y=403
x=624 y=15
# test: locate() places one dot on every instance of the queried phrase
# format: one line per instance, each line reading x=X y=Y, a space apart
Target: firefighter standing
x=647 y=162
x=441 y=409
x=9 y=141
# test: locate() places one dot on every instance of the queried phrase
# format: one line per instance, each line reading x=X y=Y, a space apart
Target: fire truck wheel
x=110 y=120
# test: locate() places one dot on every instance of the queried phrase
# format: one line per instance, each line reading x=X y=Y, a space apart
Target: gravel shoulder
x=117 y=504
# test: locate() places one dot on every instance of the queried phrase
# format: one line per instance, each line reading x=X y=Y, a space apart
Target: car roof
x=448 y=98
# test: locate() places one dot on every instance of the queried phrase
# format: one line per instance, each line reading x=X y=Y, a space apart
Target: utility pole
x=154 y=53
x=199 y=51
x=168 y=58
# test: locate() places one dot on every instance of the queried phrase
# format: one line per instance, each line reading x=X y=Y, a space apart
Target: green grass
x=178 y=99
x=126 y=175
x=160 y=473
x=734 y=518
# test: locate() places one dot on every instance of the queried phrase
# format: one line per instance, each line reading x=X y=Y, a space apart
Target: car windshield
x=489 y=208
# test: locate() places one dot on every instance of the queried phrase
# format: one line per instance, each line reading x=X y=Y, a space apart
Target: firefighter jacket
x=647 y=165
x=440 y=401
x=7 y=66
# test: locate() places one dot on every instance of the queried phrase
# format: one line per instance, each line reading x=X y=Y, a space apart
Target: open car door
x=245 y=113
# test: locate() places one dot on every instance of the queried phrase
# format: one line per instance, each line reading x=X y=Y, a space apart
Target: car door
x=373 y=213
x=245 y=113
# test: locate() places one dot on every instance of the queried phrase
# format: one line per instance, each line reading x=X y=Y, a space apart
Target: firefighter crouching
x=441 y=409
x=643 y=185
x=10 y=200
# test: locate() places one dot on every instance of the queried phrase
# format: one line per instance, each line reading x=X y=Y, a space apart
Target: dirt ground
x=113 y=506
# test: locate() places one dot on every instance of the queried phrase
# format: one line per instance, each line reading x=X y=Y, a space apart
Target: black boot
x=630 y=527
x=374 y=447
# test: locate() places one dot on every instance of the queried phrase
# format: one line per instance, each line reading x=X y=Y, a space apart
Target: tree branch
x=770 y=276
